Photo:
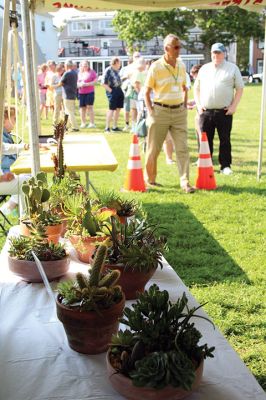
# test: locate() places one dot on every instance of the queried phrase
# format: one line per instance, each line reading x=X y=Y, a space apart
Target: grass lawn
x=216 y=239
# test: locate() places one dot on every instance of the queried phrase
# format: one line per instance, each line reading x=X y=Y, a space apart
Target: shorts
x=133 y=104
x=42 y=98
x=115 y=98
x=86 y=99
x=127 y=104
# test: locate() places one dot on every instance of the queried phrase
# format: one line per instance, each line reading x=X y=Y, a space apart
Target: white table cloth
x=36 y=362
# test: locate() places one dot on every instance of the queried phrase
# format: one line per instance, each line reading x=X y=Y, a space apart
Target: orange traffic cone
x=205 y=178
x=134 y=179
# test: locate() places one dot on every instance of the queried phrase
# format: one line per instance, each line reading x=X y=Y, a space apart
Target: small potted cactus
x=53 y=257
x=36 y=197
x=160 y=355
x=90 y=307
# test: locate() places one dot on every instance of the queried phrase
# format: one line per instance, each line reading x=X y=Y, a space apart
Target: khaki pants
x=159 y=123
x=58 y=104
x=69 y=106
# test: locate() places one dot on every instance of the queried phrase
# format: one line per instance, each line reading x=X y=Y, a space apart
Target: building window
x=259 y=66
x=43 y=26
x=105 y=24
x=261 y=44
x=81 y=26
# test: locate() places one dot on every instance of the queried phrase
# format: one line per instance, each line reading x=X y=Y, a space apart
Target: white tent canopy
x=148 y=5
x=44 y=6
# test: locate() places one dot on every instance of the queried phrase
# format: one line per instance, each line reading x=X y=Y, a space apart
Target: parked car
x=255 y=78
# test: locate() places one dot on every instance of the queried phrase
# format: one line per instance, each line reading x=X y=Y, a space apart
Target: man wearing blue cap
x=218 y=90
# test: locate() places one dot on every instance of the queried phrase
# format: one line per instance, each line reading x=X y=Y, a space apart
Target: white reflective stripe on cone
x=134 y=150
x=205 y=162
x=204 y=148
x=134 y=164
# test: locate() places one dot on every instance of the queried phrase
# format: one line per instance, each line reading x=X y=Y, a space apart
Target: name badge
x=175 y=89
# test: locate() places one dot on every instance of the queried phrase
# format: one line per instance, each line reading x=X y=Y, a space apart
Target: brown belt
x=168 y=105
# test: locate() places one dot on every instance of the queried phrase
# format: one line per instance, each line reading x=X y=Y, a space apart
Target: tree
x=230 y=25
x=135 y=27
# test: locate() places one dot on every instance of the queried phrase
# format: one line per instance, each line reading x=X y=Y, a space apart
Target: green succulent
x=136 y=245
x=21 y=247
x=95 y=291
x=161 y=346
x=62 y=189
x=83 y=216
x=36 y=197
x=123 y=207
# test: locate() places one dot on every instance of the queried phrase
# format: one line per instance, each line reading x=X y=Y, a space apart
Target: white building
x=91 y=36
x=46 y=36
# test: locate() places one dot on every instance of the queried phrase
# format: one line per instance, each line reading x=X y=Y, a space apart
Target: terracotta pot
x=87 y=331
x=125 y=387
x=52 y=231
x=28 y=271
x=59 y=211
x=131 y=281
x=85 y=246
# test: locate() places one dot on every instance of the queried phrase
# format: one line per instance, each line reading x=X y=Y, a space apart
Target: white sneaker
x=126 y=128
x=91 y=126
x=169 y=161
x=226 y=171
x=82 y=126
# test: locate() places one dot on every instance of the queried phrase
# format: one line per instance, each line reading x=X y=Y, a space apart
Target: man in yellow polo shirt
x=167 y=80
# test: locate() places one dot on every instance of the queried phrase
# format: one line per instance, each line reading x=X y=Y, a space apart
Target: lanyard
x=175 y=77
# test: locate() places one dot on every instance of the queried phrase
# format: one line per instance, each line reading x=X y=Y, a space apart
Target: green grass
x=217 y=238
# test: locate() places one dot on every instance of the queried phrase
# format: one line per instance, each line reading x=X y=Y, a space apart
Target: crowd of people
x=159 y=86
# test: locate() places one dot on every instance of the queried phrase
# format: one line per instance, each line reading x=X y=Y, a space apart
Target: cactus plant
x=35 y=193
x=94 y=292
x=36 y=197
x=58 y=159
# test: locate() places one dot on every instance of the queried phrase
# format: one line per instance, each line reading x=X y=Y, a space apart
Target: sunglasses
x=174 y=47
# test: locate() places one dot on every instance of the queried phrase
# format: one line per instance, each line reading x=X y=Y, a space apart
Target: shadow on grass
x=239 y=190
x=193 y=252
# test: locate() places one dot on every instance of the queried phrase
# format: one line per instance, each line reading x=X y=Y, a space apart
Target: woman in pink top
x=42 y=89
x=86 y=80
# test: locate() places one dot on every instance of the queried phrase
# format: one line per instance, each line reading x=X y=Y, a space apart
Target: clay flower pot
x=89 y=332
x=52 y=231
x=28 y=271
x=85 y=246
x=131 y=281
x=125 y=387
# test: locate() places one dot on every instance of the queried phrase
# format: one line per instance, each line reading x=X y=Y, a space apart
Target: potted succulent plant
x=87 y=224
x=159 y=356
x=124 y=208
x=60 y=190
x=53 y=257
x=137 y=252
x=90 y=307
x=36 y=197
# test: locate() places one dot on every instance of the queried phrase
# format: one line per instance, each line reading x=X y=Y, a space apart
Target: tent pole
x=30 y=88
x=3 y=72
x=32 y=25
x=262 y=110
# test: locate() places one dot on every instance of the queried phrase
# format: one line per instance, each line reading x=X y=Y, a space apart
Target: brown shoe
x=153 y=184
x=188 y=189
